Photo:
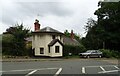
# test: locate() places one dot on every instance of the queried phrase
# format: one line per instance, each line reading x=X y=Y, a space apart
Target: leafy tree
x=109 y=21
x=67 y=33
x=89 y=25
x=104 y=33
x=18 y=34
x=91 y=41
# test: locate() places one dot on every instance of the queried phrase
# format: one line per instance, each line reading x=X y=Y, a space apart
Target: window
x=53 y=36
x=41 y=50
x=56 y=49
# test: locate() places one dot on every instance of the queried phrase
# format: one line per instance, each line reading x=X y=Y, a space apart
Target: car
x=91 y=53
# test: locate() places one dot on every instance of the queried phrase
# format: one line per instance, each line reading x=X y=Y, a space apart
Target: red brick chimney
x=36 y=25
x=72 y=34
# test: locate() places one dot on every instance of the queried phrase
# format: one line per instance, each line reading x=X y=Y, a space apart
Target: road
x=62 y=67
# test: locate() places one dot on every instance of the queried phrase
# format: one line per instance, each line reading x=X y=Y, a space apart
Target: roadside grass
x=14 y=57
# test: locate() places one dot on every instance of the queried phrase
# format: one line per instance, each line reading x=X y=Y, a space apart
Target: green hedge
x=74 y=50
x=110 y=53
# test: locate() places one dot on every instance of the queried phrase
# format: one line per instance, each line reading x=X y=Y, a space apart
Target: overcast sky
x=58 y=14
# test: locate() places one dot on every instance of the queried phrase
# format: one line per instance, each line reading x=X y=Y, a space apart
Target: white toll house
x=47 y=41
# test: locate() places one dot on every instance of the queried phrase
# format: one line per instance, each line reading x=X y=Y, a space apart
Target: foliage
x=7 y=41
x=104 y=33
x=67 y=33
x=109 y=21
x=16 y=41
x=74 y=50
x=110 y=53
x=0 y=44
x=89 y=25
x=30 y=51
x=91 y=41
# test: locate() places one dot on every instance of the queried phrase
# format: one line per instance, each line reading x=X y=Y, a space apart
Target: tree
x=91 y=22
x=18 y=34
x=104 y=33
x=109 y=21
x=91 y=41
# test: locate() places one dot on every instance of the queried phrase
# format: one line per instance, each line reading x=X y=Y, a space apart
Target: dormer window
x=53 y=36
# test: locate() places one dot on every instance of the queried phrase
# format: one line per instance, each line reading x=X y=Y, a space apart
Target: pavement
x=28 y=60
x=109 y=60
x=60 y=67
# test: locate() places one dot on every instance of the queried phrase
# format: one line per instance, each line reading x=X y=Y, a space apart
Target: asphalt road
x=63 y=67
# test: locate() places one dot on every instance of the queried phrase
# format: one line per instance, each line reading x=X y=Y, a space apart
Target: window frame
x=48 y=49
x=57 y=49
x=41 y=50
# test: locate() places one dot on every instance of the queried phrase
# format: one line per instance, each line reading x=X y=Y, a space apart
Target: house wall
x=52 y=50
x=39 y=41
x=42 y=40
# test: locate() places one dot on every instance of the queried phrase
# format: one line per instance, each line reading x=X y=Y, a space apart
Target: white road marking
x=58 y=72
x=102 y=68
x=101 y=65
x=109 y=71
x=2 y=71
x=17 y=70
x=29 y=69
x=48 y=68
x=83 y=69
x=31 y=72
x=116 y=67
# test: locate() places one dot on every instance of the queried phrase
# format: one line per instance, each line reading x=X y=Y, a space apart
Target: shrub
x=110 y=53
x=74 y=50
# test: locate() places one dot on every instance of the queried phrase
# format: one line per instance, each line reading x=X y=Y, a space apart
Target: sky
x=58 y=14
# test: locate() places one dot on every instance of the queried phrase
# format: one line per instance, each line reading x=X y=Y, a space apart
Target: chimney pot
x=72 y=34
x=36 y=25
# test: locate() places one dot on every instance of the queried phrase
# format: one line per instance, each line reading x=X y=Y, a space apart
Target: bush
x=74 y=50
x=30 y=52
x=110 y=53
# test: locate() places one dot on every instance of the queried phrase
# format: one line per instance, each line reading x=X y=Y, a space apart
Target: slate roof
x=69 y=41
x=47 y=30
x=54 y=41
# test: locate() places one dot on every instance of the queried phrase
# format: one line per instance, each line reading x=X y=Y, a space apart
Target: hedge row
x=74 y=50
x=110 y=53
